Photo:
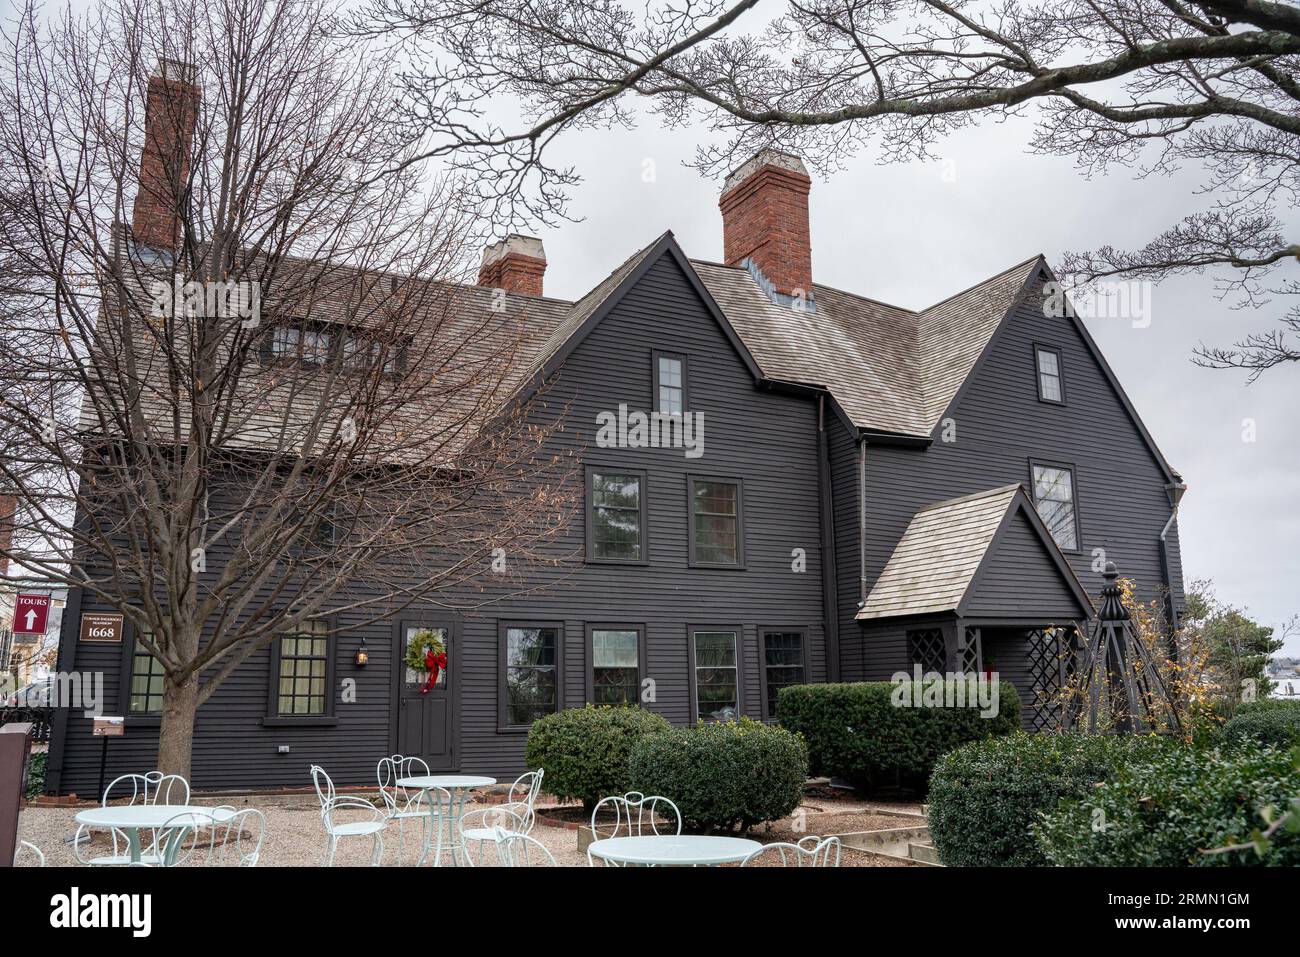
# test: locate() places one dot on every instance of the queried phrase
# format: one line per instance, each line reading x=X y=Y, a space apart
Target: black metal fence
x=42 y=718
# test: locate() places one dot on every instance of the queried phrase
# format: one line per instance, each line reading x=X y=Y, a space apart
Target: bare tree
x=242 y=388
x=1147 y=83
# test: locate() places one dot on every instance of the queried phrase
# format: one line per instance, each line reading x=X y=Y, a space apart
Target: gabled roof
x=936 y=564
x=890 y=369
x=588 y=311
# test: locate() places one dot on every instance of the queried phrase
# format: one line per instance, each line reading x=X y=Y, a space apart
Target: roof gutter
x=896 y=439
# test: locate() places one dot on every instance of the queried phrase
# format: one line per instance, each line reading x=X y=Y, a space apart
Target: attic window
x=318 y=344
x=1051 y=387
x=670 y=383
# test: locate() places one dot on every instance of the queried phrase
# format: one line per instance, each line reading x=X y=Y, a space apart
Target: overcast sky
x=914 y=234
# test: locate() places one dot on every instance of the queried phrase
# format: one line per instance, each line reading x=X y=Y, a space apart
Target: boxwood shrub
x=855 y=731
x=585 y=751
x=723 y=777
x=1166 y=810
x=986 y=796
x=1275 y=723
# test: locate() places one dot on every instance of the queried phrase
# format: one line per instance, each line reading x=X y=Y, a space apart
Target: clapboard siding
x=1019 y=573
x=765 y=439
x=998 y=425
x=768 y=440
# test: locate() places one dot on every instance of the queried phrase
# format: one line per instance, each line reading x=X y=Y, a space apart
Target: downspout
x=862 y=522
x=69 y=634
x=1175 y=491
x=830 y=571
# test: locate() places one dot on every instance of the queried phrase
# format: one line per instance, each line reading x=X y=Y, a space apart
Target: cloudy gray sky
x=913 y=234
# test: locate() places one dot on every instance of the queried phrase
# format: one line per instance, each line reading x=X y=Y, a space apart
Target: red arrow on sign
x=30 y=612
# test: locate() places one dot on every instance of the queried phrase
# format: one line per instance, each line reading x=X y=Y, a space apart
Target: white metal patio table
x=674 y=850
x=130 y=819
x=458 y=786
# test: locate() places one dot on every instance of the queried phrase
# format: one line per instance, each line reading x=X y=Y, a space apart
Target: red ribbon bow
x=433 y=664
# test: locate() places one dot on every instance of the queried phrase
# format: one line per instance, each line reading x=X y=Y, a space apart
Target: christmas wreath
x=426 y=652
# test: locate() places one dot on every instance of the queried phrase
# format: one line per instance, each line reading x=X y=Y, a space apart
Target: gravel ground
x=294 y=837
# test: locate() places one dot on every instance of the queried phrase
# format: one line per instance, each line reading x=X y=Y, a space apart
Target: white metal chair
x=517 y=850
x=222 y=837
x=808 y=852
x=520 y=801
x=634 y=814
x=153 y=787
x=482 y=824
x=33 y=849
x=332 y=804
x=403 y=804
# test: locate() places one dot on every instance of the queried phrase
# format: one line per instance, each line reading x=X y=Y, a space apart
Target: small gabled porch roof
x=983 y=554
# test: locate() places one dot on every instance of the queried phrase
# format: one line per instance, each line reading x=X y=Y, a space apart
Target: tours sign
x=31 y=612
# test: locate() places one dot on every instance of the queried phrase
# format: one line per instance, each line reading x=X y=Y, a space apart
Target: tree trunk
x=176 y=735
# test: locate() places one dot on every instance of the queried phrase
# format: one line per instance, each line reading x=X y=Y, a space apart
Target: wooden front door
x=426 y=722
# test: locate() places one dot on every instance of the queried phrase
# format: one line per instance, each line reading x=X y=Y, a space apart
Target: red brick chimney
x=8 y=506
x=171 y=109
x=765 y=220
x=516 y=264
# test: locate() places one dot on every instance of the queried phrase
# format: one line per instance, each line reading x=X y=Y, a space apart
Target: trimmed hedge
x=1166 y=810
x=1274 y=723
x=585 y=751
x=856 y=732
x=985 y=797
x=723 y=776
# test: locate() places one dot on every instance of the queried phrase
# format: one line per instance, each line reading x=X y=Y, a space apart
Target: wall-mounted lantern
x=363 y=655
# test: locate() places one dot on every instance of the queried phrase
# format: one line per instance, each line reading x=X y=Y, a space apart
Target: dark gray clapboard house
x=876 y=487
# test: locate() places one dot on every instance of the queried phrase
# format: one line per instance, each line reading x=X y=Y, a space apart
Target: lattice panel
x=926 y=647
x=1049 y=651
x=971 y=657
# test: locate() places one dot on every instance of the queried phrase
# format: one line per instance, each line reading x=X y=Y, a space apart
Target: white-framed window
x=1051 y=386
x=1054 y=497
x=670 y=383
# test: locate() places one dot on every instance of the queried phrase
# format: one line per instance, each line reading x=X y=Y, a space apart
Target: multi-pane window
x=617 y=516
x=304 y=665
x=715 y=522
x=1049 y=374
x=362 y=352
x=670 y=384
x=716 y=676
x=306 y=343
x=146 y=682
x=615 y=659
x=530 y=655
x=1054 y=499
x=782 y=664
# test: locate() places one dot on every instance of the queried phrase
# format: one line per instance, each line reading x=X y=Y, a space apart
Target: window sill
x=513 y=728
x=634 y=563
x=315 y=721
x=717 y=566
